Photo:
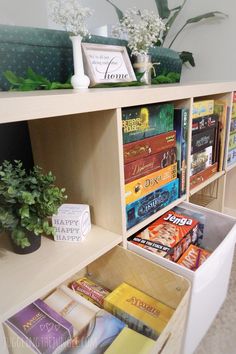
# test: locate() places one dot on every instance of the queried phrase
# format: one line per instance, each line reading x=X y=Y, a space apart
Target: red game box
x=169 y=236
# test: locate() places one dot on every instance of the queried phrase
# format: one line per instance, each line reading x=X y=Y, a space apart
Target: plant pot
x=35 y=243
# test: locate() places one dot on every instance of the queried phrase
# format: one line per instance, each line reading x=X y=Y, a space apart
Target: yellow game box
x=138 y=310
x=147 y=184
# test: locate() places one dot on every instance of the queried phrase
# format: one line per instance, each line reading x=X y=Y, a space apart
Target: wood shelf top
x=24 y=278
x=19 y=106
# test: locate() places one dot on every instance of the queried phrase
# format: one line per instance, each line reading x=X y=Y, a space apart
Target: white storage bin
x=210 y=280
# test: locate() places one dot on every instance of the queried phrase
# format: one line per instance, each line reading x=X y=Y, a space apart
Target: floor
x=221 y=337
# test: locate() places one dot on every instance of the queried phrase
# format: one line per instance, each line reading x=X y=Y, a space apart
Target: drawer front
x=210 y=281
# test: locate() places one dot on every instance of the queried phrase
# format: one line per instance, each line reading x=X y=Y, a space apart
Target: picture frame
x=107 y=64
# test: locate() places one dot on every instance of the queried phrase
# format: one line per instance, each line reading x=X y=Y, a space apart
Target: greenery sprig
x=33 y=81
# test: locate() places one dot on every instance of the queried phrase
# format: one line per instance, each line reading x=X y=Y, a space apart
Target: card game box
x=138 y=310
x=148 y=205
x=202 y=108
x=149 y=146
x=149 y=164
x=168 y=236
x=40 y=328
x=201 y=123
x=144 y=121
x=233 y=125
x=147 y=184
x=193 y=257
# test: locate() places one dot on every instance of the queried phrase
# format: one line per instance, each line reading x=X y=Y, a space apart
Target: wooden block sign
x=72 y=222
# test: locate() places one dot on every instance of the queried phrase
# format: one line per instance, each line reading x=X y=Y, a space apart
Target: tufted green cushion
x=49 y=53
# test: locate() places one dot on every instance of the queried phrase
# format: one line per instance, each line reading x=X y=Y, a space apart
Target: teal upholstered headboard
x=49 y=53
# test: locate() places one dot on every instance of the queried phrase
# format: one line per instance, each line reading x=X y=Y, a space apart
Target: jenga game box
x=193 y=257
x=169 y=236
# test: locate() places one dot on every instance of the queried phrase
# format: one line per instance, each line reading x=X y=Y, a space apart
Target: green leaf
x=13 y=78
x=36 y=77
x=187 y=57
x=162 y=7
x=24 y=211
x=205 y=16
x=119 y=13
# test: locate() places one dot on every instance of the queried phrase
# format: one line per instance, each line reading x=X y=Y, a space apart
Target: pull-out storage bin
x=120 y=265
x=210 y=280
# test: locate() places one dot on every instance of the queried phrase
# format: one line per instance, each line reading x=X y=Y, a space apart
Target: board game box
x=232 y=141
x=202 y=176
x=200 y=160
x=231 y=156
x=181 y=117
x=168 y=236
x=201 y=123
x=148 y=205
x=147 y=184
x=202 y=140
x=144 y=121
x=149 y=146
x=202 y=108
x=145 y=166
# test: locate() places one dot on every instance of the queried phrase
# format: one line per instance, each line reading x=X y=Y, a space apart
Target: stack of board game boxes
x=154 y=145
x=205 y=142
x=231 y=158
x=86 y=317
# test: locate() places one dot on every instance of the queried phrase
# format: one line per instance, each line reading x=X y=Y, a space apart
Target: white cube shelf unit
x=78 y=136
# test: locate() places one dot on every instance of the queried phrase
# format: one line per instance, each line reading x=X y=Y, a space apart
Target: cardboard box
x=202 y=176
x=168 y=236
x=148 y=205
x=144 y=185
x=144 y=121
x=210 y=281
x=146 y=165
x=130 y=342
x=202 y=108
x=38 y=329
x=138 y=310
x=149 y=146
x=200 y=160
x=72 y=222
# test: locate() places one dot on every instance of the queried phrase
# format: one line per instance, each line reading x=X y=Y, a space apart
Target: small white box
x=72 y=222
x=210 y=280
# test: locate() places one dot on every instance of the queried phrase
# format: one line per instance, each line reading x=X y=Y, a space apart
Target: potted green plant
x=27 y=200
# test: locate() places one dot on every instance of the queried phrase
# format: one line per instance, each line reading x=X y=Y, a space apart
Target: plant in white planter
x=72 y=16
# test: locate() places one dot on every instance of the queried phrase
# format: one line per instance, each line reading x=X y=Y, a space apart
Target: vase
x=34 y=240
x=79 y=80
x=142 y=65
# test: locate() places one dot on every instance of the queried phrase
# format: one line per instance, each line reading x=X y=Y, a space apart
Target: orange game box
x=169 y=236
x=193 y=257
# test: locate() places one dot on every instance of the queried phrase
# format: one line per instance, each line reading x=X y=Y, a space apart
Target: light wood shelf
x=25 y=278
x=78 y=135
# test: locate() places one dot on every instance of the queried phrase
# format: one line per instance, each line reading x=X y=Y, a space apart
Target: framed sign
x=107 y=63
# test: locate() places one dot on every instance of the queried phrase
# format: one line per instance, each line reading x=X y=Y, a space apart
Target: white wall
x=24 y=12
x=212 y=43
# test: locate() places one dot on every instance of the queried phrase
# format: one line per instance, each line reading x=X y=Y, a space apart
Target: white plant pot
x=79 y=80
